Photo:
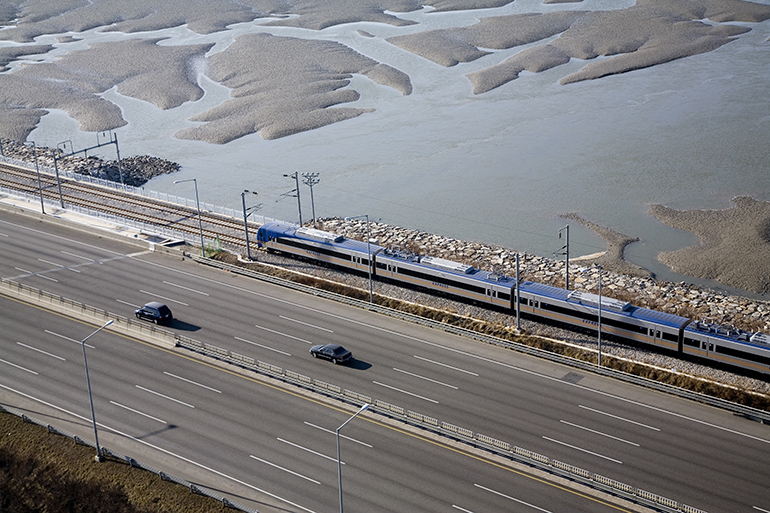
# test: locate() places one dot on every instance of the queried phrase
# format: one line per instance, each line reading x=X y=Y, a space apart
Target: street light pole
x=99 y=456
x=518 y=296
x=198 y=204
x=295 y=175
x=599 y=337
x=246 y=214
x=599 y=334
x=339 y=461
x=39 y=184
x=566 y=248
x=368 y=253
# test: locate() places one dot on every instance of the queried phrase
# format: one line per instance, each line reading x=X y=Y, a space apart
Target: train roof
x=609 y=305
x=283 y=229
x=458 y=269
x=731 y=333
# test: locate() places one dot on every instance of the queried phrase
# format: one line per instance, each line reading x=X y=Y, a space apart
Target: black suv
x=155 y=312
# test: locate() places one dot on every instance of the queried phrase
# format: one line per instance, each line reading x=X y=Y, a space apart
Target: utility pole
x=311 y=179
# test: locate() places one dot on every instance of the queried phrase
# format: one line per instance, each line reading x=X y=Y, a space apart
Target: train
x=680 y=335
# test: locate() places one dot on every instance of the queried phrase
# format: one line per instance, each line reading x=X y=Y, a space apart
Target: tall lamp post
x=198 y=204
x=37 y=168
x=99 y=456
x=599 y=335
x=339 y=461
x=566 y=252
x=246 y=213
x=368 y=252
x=295 y=175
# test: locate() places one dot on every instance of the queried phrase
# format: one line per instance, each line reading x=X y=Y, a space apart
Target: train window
x=309 y=247
x=736 y=353
x=691 y=342
x=444 y=281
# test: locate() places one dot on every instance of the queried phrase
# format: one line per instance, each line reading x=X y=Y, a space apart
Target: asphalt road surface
x=695 y=454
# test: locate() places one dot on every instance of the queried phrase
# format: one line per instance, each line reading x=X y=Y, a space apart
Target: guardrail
x=131 y=461
x=523 y=348
x=498 y=447
x=457 y=433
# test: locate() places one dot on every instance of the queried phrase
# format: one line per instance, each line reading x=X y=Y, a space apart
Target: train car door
x=707 y=347
x=655 y=335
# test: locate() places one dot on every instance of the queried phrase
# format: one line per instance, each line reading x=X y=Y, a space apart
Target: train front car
x=728 y=345
x=619 y=318
x=454 y=278
x=316 y=245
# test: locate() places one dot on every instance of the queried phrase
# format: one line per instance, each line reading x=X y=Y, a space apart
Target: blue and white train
x=678 y=334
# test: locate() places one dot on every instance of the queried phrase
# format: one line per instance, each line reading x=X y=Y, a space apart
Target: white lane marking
x=333 y=432
x=70 y=339
x=263 y=347
x=49 y=262
x=160 y=449
x=445 y=365
x=192 y=382
x=403 y=391
x=308 y=450
x=511 y=498
x=78 y=256
x=470 y=355
x=164 y=396
x=59 y=265
x=36 y=274
x=598 y=433
x=461 y=509
x=760 y=509
x=19 y=367
x=306 y=324
x=285 y=469
x=186 y=288
x=41 y=351
x=3 y=235
x=127 y=303
x=161 y=297
x=283 y=334
x=54 y=236
x=619 y=418
x=581 y=449
x=139 y=412
x=423 y=377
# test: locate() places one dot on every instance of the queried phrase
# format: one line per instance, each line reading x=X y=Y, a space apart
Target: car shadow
x=355 y=363
x=176 y=324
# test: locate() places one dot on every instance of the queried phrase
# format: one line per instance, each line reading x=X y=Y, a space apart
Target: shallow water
x=499 y=167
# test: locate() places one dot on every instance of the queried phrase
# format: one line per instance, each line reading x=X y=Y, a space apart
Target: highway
x=698 y=455
x=262 y=446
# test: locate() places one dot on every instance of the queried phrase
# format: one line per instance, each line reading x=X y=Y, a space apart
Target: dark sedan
x=333 y=352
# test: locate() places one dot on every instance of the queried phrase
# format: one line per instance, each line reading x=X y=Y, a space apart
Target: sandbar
x=734 y=244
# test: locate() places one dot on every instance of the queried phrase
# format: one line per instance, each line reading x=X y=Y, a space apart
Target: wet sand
x=284 y=85
x=734 y=243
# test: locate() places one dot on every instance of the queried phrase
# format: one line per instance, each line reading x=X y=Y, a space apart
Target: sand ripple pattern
x=282 y=85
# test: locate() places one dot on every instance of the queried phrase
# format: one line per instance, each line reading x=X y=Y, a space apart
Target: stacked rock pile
x=676 y=298
x=135 y=171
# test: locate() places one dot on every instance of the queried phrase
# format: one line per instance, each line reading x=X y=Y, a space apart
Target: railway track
x=124 y=204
